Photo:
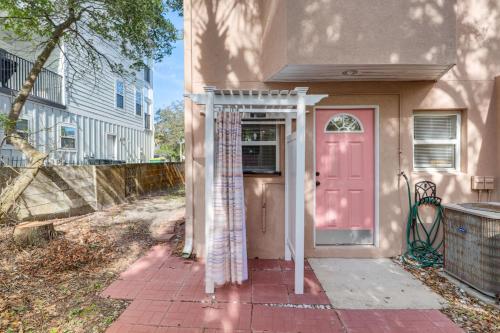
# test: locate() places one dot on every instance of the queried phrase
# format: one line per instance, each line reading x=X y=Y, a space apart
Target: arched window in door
x=344 y=123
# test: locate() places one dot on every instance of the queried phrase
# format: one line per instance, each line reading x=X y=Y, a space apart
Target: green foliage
x=5 y=121
x=138 y=29
x=176 y=6
x=169 y=130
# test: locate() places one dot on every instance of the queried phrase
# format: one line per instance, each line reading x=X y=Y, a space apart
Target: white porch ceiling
x=389 y=72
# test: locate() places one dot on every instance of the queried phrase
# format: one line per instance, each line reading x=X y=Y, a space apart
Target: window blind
x=435 y=141
x=259 y=148
x=435 y=156
x=259 y=158
x=435 y=127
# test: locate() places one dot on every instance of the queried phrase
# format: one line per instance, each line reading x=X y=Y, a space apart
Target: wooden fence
x=63 y=191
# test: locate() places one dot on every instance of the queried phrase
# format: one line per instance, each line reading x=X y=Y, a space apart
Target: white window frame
x=275 y=143
x=28 y=133
x=147 y=105
x=116 y=94
x=456 y=141
x=59 y=136
x=140 y=91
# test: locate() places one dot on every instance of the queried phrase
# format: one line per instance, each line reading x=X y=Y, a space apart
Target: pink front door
x=344 y=176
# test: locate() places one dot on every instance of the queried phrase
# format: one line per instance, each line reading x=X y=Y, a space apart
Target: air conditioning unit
x=472 y=245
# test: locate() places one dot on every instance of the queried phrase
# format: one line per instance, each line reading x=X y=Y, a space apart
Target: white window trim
x=456 y=141
x=28 y=119
x=147 y=105
x=116 y=93
x=59 y=136
x=276 y=142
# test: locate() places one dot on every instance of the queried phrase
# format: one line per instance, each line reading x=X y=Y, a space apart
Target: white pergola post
x=209 y=184
x=299 y=193
x=288 y=131
x=288 y=102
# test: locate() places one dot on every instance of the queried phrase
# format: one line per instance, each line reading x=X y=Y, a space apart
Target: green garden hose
x=422 y=244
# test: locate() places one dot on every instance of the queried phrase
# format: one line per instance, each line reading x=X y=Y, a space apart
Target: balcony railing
x=14 y=71
x=147 y=121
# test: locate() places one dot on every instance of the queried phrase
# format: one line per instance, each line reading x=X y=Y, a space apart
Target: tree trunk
x=13 y=191
x=36 y=158
x=34 y=233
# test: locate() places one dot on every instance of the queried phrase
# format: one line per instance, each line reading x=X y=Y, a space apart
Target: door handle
x=264 y=204
x=317 y=173
x=318 y=183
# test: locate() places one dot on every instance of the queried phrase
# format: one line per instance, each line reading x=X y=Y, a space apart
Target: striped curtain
x=228 y=250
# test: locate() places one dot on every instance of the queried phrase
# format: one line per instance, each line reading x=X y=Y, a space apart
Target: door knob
x=317 y=173
x=318 y=183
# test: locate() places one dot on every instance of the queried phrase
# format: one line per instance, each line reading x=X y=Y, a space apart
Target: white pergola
x=287 y=104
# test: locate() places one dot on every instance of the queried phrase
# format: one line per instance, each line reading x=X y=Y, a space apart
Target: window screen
x=68 y=137
x=436 y=141
x=260 y=148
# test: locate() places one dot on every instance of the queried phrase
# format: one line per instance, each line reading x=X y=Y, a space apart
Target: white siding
x=29 y=51
x=91 y=140
x=90 y=106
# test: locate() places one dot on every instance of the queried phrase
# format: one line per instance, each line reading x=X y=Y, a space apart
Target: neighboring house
x=412 y=86
x=75 y=114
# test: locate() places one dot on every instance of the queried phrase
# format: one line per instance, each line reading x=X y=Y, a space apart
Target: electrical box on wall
x=477 y=182
x=489 y=183
x=482 y=183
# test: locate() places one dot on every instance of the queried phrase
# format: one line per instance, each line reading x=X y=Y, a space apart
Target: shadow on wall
x=64 y=191
x=56 y=191
x=349 y=32
x=228 y=37
x=469 y=87
x=227 y=51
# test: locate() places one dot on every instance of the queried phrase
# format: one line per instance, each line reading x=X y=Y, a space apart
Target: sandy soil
x=55 y=287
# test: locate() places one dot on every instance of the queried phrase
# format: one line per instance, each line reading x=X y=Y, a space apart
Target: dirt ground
x=55 y=288
x=470 y=313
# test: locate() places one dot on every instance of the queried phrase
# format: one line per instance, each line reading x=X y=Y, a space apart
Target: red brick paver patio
x=168 y=295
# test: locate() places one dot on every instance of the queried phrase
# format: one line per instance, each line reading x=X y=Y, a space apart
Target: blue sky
x=169 y=74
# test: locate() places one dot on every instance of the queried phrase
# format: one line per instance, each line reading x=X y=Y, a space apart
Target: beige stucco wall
x=357 y=32
x=274 y=37
x=497 y=114
x=224 y=48
x=370 y=32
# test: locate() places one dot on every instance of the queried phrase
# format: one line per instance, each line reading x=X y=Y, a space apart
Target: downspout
x=400 y=152
x=188 y=139
x=496 y=95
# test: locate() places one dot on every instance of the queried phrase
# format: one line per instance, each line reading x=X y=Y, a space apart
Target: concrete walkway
x=167 y=295
x=372 y=284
